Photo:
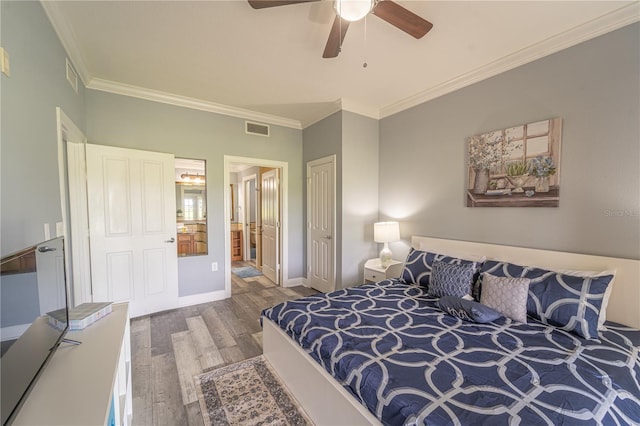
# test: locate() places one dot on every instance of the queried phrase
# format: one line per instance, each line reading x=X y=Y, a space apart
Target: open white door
x=320 y=224
x=132 y=204
x=270 y=225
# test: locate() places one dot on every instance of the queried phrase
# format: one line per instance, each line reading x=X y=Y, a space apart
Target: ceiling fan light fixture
x=353 y=10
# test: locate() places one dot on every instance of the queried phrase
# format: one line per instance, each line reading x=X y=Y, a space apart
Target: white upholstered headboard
x=624 y=304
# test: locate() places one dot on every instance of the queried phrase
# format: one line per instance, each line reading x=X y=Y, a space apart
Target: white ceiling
x=267 y=64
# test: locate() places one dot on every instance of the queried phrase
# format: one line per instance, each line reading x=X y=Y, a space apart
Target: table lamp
x=386 y=232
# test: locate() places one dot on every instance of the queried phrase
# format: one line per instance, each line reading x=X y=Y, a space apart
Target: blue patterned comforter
x=410 y=363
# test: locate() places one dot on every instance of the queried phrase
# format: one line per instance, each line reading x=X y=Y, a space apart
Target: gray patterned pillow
x=506 y=295
x=449 y=279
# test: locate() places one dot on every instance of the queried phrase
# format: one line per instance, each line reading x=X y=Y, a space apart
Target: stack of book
x=81 y=316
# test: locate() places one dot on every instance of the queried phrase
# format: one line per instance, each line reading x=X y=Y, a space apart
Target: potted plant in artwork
x=517 y=174
x=484 y=154
x=541 y=168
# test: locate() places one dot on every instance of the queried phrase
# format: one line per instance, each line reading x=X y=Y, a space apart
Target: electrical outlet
x=59 y=229
x=214 y=266
x=4 y=62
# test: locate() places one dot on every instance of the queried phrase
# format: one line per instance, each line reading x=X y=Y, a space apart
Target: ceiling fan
x=353 y=10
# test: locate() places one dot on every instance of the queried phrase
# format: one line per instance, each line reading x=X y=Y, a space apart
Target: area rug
x=247 y=393
x=246 y=272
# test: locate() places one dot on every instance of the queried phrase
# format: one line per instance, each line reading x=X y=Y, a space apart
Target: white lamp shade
x=386 y=232
x=353 y=10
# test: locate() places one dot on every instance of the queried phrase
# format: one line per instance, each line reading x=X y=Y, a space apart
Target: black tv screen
x=32 y=284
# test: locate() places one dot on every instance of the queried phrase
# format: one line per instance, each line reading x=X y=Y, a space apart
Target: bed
x=388 y=352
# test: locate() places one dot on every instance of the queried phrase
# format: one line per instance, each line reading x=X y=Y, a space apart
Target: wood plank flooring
x=169 y=348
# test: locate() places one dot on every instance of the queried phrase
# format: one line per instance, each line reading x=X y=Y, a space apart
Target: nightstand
x=374 y=271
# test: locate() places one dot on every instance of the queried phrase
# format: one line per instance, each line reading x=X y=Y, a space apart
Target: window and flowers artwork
x=515 y=167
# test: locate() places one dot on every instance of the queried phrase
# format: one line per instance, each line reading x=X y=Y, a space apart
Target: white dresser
x=80 y=384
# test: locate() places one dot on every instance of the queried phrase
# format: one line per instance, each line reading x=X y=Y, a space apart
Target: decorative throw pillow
x=506 y=295
x=468 y=310
x=569 y=302
x=449 y=279
x=417 y=267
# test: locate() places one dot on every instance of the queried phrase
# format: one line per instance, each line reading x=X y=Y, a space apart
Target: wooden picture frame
x=517 y=166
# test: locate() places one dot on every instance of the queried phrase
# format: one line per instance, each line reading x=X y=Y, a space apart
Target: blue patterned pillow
x=569 y=302
x=449 y=279
x=417 y=267
x=468 y=310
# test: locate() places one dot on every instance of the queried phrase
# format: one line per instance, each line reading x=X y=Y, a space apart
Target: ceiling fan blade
x=261 y=4
x=402 y=18
x=336 y=37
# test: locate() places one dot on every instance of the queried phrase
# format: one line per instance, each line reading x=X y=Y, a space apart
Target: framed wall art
x=515 y=167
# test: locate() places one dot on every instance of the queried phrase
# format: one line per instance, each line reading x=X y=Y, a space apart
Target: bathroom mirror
x=191 y=207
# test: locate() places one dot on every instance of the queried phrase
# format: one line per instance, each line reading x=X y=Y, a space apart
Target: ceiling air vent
x=72 y=76
x=256 y=129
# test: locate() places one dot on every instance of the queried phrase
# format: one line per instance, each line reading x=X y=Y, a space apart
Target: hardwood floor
x=169 y=348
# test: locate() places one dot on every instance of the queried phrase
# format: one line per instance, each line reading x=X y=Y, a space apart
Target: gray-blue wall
x=320 y=140
x=127 y=122
x=29 y=151
x=594 y=87
x=353 y=139
x=359 y=195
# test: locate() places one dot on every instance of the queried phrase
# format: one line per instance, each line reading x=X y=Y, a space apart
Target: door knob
x=171 y=240
x=328 y=237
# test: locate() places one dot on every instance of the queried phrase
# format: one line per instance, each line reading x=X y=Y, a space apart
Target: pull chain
x=364 y=65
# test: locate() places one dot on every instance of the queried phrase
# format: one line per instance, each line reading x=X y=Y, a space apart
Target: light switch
x=4 y=62
x=59 y=229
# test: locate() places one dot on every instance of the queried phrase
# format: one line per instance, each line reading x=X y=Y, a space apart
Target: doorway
x=270 y=250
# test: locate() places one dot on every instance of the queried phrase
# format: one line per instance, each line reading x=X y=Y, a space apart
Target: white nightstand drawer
x=374 y=271
x=375 y=276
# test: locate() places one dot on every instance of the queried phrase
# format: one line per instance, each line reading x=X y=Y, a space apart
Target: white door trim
x=246 y=213
x=284 y=196
x=78 y=277
x=310 y=164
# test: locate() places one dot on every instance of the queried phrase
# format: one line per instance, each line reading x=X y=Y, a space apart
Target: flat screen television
x=32 y=283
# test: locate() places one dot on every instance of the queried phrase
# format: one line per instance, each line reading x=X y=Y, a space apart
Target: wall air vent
x=256 y=129
x=72 y=77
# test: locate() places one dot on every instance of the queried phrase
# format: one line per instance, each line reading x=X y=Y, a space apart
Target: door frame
x=73 y=198
x=247 y=214
x=284 y=214
x=332 y=160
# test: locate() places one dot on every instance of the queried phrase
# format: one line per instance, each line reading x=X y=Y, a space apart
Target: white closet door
x=132 y=206
x=320 y=224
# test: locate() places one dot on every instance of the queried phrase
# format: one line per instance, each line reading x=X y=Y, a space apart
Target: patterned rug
x=247 y=393
x=246 y=271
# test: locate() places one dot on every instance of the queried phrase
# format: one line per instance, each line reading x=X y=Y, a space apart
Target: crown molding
x=186 y=102
x=610 y=22
x=332 y=108
x=360 y=108
x=67 y=38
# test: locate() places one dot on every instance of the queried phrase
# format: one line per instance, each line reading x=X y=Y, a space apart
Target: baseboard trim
x=13 y=332
x=196 y=299
x=292 y=282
